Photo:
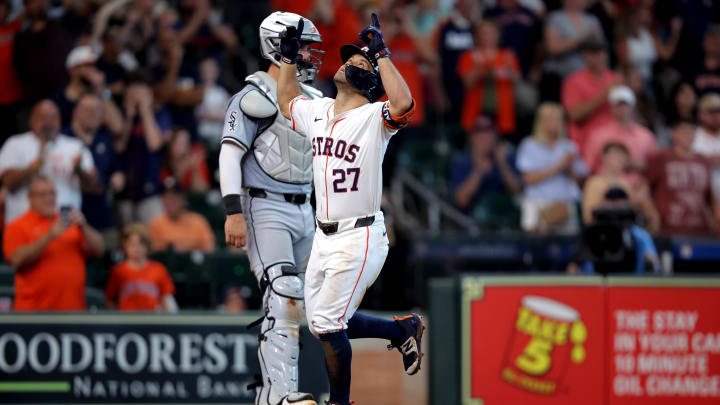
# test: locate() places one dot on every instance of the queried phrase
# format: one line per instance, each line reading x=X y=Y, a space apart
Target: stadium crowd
x=113 y=109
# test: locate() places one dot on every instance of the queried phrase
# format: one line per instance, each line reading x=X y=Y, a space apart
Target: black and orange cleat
x=411 y=346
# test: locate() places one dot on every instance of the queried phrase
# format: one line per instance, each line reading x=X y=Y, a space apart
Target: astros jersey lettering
x=348 y=151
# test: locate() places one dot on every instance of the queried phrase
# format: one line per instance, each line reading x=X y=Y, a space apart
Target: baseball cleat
x=298 y=398
x=411 y=346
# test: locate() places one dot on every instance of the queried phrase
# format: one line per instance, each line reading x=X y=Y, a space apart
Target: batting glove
x=290 y=42
x=373 y=38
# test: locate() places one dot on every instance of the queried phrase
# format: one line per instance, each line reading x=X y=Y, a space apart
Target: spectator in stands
x=680 y=182
x=666 y=30
x=115 y=62
x=454 y=37
x=43 y=150
x=179 y=229
x=139 y=284
x=202 y=31
x=10 y=89
x=138 y=20
x=233 y=301
x=176 y=87
x=86 y=78
x=645 y=111
x=489 y=74
x=707 y=136
x=88 y=125
x=424 y=15
x=211 y=113
x=585 y=93
x=566 y=30
x=551 y=167
x=683 y=102
x=186 y=162
x=706 y=75
x=623 y=129
x=680 y=105
x=520 y=31
x=147 y=130
x=48 y=252
x=486 y=171
x=40 y=53
x=614 y=174
x=635 y=46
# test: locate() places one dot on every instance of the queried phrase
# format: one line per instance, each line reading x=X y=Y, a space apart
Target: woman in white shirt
x=551 y=167
x=639 y=46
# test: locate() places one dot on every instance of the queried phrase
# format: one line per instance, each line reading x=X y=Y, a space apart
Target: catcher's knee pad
x=285 y=280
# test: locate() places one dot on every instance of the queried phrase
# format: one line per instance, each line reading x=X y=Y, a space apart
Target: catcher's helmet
x=270 y=30
x=369 y=83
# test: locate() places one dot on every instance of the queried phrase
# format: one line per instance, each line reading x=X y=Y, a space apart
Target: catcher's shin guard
x=279 y=348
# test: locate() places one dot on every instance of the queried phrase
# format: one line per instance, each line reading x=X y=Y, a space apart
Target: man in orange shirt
x=48 y=252
x=178 y=227
x=489 y=74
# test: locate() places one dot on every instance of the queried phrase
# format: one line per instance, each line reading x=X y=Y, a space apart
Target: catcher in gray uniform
x=265 y=179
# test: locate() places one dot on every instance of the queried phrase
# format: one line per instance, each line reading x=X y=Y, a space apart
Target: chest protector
x=282 y=153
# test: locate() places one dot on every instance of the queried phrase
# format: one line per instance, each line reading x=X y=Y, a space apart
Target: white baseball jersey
x=19 y=151
x=348 y=151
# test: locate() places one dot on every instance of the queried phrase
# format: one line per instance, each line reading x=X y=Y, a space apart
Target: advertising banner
x=570 y=340
x=533 y=340
x=664 y=342
x=76 y=359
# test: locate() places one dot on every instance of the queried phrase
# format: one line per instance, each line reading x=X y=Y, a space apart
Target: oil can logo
x=548 y=337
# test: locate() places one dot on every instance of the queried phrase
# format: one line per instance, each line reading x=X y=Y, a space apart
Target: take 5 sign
x=533 y=340
x=615 y=341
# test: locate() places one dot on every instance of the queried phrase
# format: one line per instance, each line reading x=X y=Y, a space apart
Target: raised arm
x=288 y=87
x=397 y=90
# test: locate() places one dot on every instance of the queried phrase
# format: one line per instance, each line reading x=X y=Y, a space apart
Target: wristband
x=287 y=60
x=383 y=53
x=232 y=204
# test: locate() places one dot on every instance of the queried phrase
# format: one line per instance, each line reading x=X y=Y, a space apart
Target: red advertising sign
x=614 y=341
x=534 y=344
x=663 y=345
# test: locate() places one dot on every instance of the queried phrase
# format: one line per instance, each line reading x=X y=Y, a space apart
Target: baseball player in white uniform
x=265 y=179
x=349 y=136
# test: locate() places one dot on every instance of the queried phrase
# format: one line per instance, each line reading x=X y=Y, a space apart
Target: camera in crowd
x=609 y=241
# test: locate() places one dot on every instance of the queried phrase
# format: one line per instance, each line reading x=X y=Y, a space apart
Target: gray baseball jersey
x=285 y=166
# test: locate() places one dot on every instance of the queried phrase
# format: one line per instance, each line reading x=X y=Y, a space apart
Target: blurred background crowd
x=587 y=119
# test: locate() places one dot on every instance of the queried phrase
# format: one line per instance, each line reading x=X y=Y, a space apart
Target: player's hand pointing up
x=372 y=37
x=290 y=42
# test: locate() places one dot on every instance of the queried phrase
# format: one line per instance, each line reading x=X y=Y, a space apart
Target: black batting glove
x=290 y=42
x=373 y=39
